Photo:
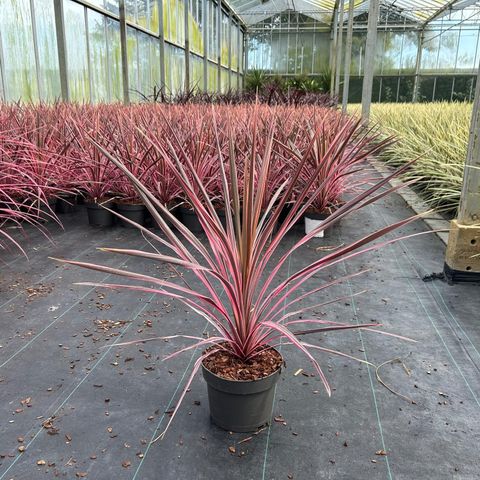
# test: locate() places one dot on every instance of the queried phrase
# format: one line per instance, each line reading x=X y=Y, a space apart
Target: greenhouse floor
x=83 y=408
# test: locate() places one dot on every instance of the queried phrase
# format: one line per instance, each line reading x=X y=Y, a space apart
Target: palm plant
x=256 y=312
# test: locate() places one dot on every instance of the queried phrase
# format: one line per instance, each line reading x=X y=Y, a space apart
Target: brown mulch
x=227 y=365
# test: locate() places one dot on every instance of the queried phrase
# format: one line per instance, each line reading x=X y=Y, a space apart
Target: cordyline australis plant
x=255 y=310
x=19 y=190
x=342 y=169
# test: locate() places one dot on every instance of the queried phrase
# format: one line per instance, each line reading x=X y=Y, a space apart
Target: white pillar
x=369 y=65
x=348 y=56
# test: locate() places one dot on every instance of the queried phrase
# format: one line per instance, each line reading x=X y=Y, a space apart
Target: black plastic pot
x=66 y=204
x=46 y=213
x=190 y=219
x=152 y=223
x=98 y=216
x=240 y=406
x=284 y=213
x=133 y=211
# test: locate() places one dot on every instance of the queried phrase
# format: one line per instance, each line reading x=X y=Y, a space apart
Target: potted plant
x=96 y=175
x=96 y=180
x=338 y=154
x=195 y=149
x=17 y=186
x=258 y=309
x=162 y=182
x=137 y=157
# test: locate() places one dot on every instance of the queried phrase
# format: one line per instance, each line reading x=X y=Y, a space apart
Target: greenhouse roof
x=419 y=11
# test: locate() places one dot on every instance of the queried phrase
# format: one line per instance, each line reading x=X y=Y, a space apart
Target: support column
x=61 y=48
x=418 y=62
x=187 y=46
x=219 y=44
x=370 y=48
x=244 y=58
x=205 y=44
x=230 y=22
x=161 y=39
x=348 y=56
x=462 y=262
x=333 y=48
x=338 y=56
x=123 y=46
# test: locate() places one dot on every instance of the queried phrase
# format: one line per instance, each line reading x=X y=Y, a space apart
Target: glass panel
x=145 y=81
x=225 y=39
x=426 y=89
x=212 y=31
x=389 y=88
x=48 y=68
x=196 y=72
x=111 y=6
x=321 y=52
x=448 y=52
x=18 y=53
x=224 y=76
x=174 y=69
x=77 y=59
x=443 y=88
x=462 y=88
x=132 y=59
x=431 y=44
x=240 y=53
x=174 y=21
x=155 y=63
x=212 y=77
x=195 y=26
x=115 y=60
x=466 y=50
x=405 y=92
x=98 y=57
x=234 y=47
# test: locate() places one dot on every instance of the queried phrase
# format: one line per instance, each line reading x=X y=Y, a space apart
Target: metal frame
x=369 y=58
x=61 y=48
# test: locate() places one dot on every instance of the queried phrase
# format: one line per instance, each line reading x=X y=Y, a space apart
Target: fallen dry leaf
x=381 y=452
x=41 y=462
x=126 y=463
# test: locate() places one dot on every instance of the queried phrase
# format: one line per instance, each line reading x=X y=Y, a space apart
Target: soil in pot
x=313 y=220
x=240 y=394
x=136 y=212
x=66 y=204
x=190 y=219
x=99 y=216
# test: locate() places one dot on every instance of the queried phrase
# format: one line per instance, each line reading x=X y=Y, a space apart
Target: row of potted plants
x=56 y=148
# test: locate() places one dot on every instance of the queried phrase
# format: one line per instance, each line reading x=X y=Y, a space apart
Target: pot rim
x=276 y=372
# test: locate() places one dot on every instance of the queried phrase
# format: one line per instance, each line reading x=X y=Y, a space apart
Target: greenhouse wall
x=31 y=40
x=292 y=43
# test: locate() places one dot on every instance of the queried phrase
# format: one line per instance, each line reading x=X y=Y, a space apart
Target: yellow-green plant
x=437 y=133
